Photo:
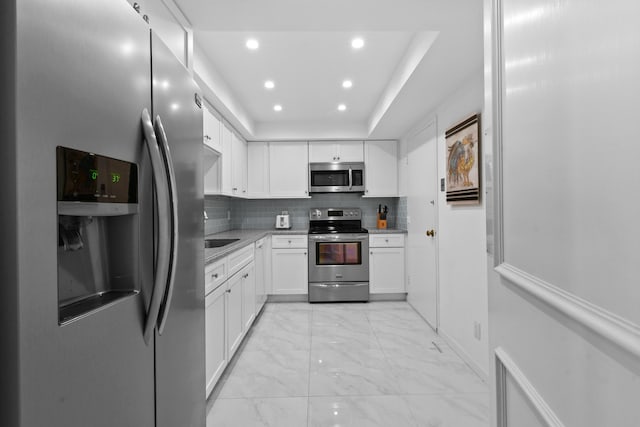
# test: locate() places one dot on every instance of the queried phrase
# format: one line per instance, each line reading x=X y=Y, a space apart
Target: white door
x=422 y=202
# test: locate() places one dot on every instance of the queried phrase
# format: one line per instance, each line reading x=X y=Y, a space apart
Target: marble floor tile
x=343 y=372
x=460 y=410
x=281 y=333
x=261 y=412
x=265 y=373
x=360 y=411
x=422 y=376
x=374 y=364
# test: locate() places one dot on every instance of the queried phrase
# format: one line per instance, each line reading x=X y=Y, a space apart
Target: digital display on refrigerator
x=89 y=177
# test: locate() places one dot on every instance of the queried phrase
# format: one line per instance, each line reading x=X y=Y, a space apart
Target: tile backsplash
x=218 y=209
x=261 y=213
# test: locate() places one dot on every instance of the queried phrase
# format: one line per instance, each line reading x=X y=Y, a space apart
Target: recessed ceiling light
x=347 y=84
x=357 y=43
x=252 y=44
x=342 y=107
x=277 y=107
x=269 y=84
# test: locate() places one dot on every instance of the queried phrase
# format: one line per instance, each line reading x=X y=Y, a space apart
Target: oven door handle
x=350 y=179
x=338 y=237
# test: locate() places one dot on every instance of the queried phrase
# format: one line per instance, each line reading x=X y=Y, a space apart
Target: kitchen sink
x=217 y=243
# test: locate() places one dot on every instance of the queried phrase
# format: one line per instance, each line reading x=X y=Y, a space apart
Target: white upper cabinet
x=225 y=174
x=336 y=151
x=211 y=132
x=288 y=169
x=238 y=166
x=381 y=168
x=258 y=169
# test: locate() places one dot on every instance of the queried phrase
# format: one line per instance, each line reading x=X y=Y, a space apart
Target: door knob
x=431 y=233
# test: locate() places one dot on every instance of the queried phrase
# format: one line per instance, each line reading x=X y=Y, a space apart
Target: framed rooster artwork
x=463 y=162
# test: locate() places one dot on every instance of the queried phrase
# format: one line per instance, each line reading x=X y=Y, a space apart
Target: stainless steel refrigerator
x=97 y=245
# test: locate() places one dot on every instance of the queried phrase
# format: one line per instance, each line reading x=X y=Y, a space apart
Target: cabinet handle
x=371 y=252
x=386 y=240
x=228 y=291
x=215 y=276
x=304 y=253
x=289 y=241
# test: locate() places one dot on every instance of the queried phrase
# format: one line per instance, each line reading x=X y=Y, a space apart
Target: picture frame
x=463 y=162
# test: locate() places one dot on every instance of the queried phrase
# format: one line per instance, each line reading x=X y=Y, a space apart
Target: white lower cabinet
x=289 y=264
x=230 y=309
x=386 y=264
x=216 y=351
x=261 y=273
x=248 y=277
x=235 y=323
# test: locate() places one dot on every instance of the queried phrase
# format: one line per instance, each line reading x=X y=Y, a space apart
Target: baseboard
x=400 y=296
x=459 y=350
x=288 y=298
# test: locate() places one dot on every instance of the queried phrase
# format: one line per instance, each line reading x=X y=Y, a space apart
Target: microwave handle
x=350 y=179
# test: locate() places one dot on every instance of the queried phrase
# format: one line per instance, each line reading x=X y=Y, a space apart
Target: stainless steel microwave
x=336 y=177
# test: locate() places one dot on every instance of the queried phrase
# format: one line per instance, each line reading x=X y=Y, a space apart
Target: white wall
x=461 y=238
x=564 y=301
x=462 y=254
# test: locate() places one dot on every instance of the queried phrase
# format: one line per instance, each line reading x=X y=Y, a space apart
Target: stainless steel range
x=338 y=255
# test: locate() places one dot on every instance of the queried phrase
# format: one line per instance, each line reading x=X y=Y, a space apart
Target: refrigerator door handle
x=173 y=199
x=164 y=227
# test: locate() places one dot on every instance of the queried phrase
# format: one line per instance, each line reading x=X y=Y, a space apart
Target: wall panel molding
x=611 y=328
x=505 y=366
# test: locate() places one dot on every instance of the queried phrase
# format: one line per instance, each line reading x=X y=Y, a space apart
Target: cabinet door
x=238 y=166
x=386 y=270
x=321 y=151
x=350 y=151
x=234 y=314
x=226 y=176
x=258 y=169
x=211 y=130
x=211 y=165
x=288 y=169
x=261 y=294
x=215 y=348
x=289 y=271
x=248 y=295
x=381 y=169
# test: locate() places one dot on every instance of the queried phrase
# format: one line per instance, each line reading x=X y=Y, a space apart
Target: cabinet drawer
x=214 y=275
x=289 y=241
x=386 y=240
x=240 y=258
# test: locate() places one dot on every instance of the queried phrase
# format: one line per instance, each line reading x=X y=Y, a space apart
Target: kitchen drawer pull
x=215 y=276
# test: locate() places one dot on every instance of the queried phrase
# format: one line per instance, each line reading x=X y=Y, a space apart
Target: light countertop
x=250 y=236
x=246 y=237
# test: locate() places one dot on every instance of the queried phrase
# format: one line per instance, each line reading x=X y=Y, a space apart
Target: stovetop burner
x=332 y=229
x=335 y=220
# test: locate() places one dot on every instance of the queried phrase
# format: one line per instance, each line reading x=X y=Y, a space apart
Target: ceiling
x=416 y=52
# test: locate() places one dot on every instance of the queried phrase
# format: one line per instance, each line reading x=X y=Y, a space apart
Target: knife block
x=381 y=223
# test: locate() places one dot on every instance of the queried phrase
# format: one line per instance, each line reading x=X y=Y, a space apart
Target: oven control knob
x=317 y=213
